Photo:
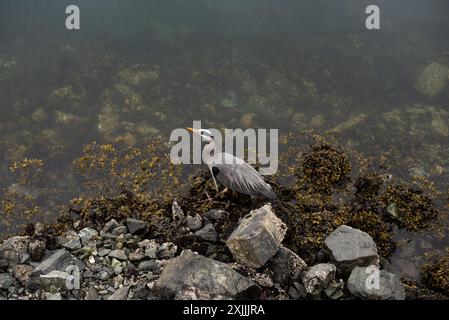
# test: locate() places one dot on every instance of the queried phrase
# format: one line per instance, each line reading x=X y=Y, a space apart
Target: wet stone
x=215 y=278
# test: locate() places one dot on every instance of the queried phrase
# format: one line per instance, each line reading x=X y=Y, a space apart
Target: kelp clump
x=436 y=274
x=408 y=207
x=324 y=169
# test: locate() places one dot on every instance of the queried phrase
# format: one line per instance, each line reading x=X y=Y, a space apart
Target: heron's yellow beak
x=193 y=130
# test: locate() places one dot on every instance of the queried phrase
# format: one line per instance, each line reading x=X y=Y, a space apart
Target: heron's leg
x=222 y=192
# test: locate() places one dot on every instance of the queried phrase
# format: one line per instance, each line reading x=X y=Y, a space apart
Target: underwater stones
x=285 y=266
x=317 y=278
x=132 y=100
x=432 y=80
x=349 y=124
x=351 y=247
x=138 y=74
x=66 y=118
x=108 y=120
x=39 y=115
x=257 y=238
x=231 y=100
x=439 y=127
x=215 y=278
x=388 y=286
x=247 y=120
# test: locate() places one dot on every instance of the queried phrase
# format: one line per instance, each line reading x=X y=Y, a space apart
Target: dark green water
x=142 y=68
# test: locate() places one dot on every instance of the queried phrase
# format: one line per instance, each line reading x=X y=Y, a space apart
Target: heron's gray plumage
x=239 y=176
x=232 y=172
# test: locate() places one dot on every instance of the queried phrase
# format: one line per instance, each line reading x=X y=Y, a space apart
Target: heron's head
x=206 y=135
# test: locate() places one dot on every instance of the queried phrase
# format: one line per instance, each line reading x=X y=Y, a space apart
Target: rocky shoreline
x=121 y=261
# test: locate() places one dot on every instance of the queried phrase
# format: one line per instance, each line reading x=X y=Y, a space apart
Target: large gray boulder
x=207 y=275
x=370 y=283
x=349 y=247
x=257 y=238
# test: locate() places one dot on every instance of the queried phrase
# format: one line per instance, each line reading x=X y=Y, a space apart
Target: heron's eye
x=207 y=134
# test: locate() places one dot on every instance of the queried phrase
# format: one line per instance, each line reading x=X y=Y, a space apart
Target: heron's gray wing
x=242 y=177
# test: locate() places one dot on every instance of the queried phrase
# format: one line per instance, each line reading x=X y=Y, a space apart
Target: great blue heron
x=232 y=172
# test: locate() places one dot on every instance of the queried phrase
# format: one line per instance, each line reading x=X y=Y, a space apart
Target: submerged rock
x=363 y=283
x=257 y=238
x=432 y=80
x=351 y=247
x=192 y=270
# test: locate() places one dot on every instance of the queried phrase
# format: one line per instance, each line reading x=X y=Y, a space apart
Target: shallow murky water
x=141 y=69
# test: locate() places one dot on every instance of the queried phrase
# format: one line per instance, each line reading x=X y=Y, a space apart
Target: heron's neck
x=208 y=153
